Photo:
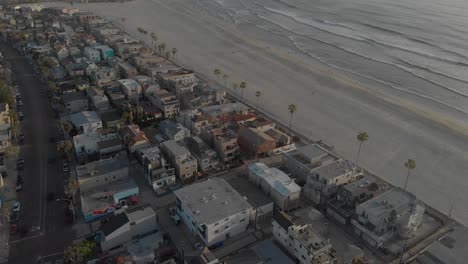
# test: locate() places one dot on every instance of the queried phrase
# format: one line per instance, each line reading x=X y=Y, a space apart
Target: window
x=216 y=231
x=226 y=227
x=216 y=224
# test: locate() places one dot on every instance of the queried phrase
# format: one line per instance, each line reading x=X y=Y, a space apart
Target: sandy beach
x=405 y=116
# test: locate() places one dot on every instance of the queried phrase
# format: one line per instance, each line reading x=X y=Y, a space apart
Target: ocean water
x=419 y=47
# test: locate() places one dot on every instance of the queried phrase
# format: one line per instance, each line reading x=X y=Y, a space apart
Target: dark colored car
x=21 y=139
x=51 y=160
x=51 y=196
x=20 y=164
x=24 y=230
x=19 y=185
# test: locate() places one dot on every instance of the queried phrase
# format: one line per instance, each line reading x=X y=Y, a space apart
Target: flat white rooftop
x=212 y=200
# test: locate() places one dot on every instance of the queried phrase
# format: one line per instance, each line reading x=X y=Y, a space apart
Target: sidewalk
x=8 y=194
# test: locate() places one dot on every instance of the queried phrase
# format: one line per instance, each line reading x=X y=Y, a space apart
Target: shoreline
x=386 y=113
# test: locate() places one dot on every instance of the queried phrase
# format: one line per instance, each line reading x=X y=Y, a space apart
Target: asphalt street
x=45 y=220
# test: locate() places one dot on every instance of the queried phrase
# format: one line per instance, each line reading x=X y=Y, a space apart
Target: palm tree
x=361 y=137
x=235 y=86
x=225 y=77
x=292 y=109
x=410 y=165
x=162 y=48
x=217 y=72
x=257 y=95
x=242 y=85
x=154 y=38
x=174 y=51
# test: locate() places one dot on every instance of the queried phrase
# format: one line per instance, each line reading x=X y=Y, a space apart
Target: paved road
x=49 y=233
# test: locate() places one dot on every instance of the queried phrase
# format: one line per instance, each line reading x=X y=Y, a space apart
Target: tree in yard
x=55 y=100
x=162 y=48
x=242 y=85
x=5 y=212
x=14 y=122
x=292 y=109
x=72 y=187
x=52 y=87
x=5 y=94
x=65 y=147
x=410 y=165
x=80 y=253
x=167 y=54
x=217 y=72
x=66 y=127
x=127 y=117
x=225 y=77
x=257 y=95
x=174 y=51
x=361 y=137
x=235 y=86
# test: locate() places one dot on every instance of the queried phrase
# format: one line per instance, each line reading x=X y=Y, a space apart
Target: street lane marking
x=24 y=239
x=51 y=255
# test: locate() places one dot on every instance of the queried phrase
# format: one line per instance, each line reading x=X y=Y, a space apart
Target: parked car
x=20 y=163
x=19 y=184
x=65 y=167
x=13 y=229
x=19 y=103
x=14 y=218
x=16 y=207
x=20 y=116
x=51 y=160
x=21 y=139
x=24 y=230
x=51 y=196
